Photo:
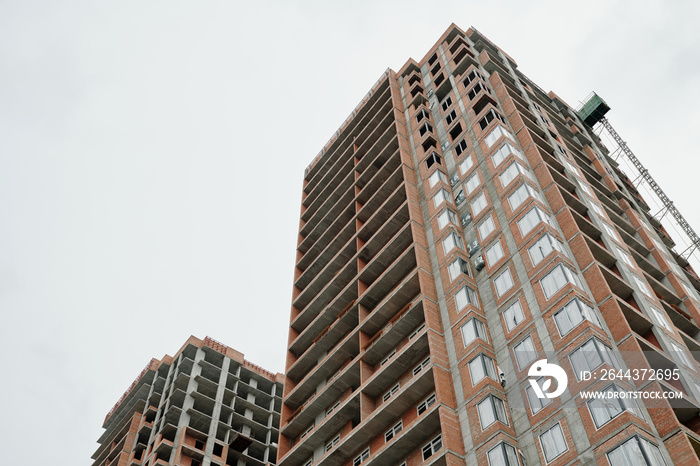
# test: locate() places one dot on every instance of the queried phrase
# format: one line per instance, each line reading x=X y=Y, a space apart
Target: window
x=496 y=134
x=680 y=355
x=480 y=367
x=571 y=167
x=458 y=267
x=626 y=258
x=572 y=314
x=490 y=116
x=512 y=171
x=585 y=188
x=503 y=282
x=636 y=451
x=675 y=268
x=513 y=315
x=452 y=116
x=473 y=329
x=531 y=219
x=476 y=89
x=553 y=443
x=689 y=291
x=590 y=356
x=659 y=318
x=442 y=196
x=393 y=432
x=417 y=370
x=437 y=176
x=387 y=358
x=521 y=194
x=610 y=231
x=361 y=458
x=603 y=410
x=536 y=403
x=471 y=77
x=486 y=227
x=451 y=241
x=425 y=128
x=309 y=462
x=525 y=352
x=390 y=392
x=478 y=204
x=660 y=247
x=559 y=277
x=544 y=247
x=464 y=296
x=491 y=409
x=472 y=183
x=596 y=208
x=461 y=147
x=423 y=113
x=432 y=447
x=425 y=404
x=432 y=160
x=505 y=150
x=447 y=217
x=503 y=454
x=642 y=285
x=446 y=103
x=494 y=253
x=332 y=442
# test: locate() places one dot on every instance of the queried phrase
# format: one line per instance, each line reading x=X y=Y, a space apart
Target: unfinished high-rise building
x=461 y=225
x=205 y=406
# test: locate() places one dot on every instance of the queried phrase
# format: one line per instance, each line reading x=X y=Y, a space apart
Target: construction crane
x=593 y=111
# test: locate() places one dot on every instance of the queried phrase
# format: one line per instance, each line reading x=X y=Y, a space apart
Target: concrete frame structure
x=449 y=229
x=205 y=406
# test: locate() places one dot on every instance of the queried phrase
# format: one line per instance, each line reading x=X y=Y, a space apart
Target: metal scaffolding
x=668 y=206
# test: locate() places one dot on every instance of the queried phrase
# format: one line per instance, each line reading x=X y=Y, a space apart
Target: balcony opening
x=428 y=144
x=460 y=56
x=456 y=131
x=482 y=103
x=458 y=43
x=416 y=90
x=440 y=79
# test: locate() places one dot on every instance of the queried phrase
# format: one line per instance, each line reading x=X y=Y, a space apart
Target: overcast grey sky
x=152 y=153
